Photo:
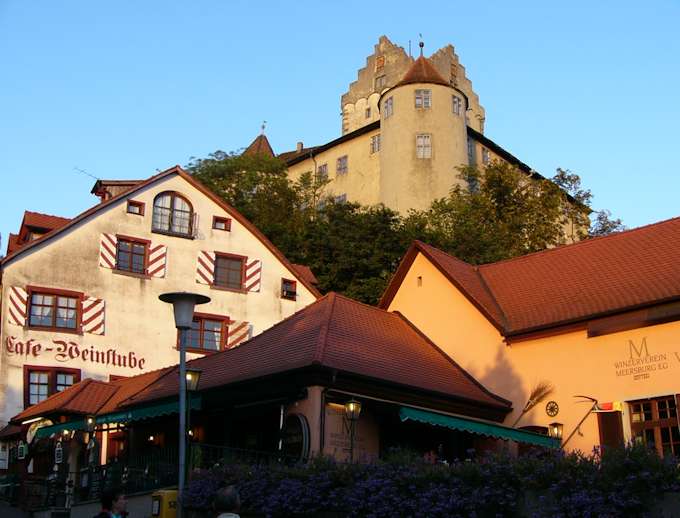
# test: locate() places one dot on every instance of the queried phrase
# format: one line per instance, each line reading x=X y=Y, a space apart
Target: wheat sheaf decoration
x=541 y=390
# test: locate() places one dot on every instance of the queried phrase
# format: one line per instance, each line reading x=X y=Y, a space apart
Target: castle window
x=322 y=172
x=471 y=152
x=342 y=198
x=375 y=143
x=172 y=214
x=457 y=105
x=379 y=63
x=342 y=165
x=380 y=82
x=389 y=107
x=485 y=156
x=368 y=112
x=423 y=99
x=423 y=146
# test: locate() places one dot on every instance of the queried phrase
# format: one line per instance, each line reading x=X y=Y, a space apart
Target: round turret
x=423 y=138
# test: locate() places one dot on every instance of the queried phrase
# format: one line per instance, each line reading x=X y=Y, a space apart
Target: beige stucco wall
x=361 y=183
x=573 y=363
x=408 y=182
x=136 y=321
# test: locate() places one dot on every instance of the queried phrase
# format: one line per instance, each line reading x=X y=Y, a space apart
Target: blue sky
x=123 y=88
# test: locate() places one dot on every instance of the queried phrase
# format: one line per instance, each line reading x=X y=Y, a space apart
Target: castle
x=407 y=126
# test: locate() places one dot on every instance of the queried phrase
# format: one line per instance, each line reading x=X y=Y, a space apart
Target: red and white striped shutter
x=158 y=260
x=94 y=314
x=18 y=306
x=239 y=332
x=253 y=275
x=107 y=250
x=205 y=267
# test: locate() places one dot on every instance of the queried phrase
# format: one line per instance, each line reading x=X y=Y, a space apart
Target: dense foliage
x=496 y=213
x=625 y=482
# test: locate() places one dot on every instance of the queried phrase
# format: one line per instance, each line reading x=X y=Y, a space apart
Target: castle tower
x=423 y=138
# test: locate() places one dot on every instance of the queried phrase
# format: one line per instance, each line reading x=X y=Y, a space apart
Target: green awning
x=134 y=414
x=47 y=431
x=478 y=427
x=146 y=412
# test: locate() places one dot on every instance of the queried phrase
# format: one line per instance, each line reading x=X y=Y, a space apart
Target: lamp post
x=183 y=304
x=352 y=412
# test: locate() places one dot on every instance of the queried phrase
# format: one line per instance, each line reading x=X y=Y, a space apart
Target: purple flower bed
x=623 y=482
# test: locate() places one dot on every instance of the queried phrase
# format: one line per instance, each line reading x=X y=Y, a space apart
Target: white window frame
x=342 y=165
x=423 y=146
x=389 y=106
x=423 y=99
x=375 y=143
x=457 y=105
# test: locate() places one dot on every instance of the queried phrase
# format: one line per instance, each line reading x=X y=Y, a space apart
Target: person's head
x=114 y=500
x=226 y=500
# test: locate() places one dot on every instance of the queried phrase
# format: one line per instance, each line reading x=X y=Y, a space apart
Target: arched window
x=172 y=213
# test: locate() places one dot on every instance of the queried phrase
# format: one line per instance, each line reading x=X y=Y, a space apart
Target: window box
x=42 y=382
x=55 y=310
x=220 y=223
x=135 y=207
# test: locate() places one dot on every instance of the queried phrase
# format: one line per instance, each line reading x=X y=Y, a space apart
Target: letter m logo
x=638 y=351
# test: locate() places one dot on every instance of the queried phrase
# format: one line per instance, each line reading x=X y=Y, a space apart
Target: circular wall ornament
x=552 y=408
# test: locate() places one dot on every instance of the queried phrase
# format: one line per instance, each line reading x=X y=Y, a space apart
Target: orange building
x=598 y=320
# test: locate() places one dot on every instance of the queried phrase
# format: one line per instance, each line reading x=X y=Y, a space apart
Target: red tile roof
x=176 y=170
x=422 y=71
x=90 y=397
x=13 y=243
x=573 y=283
x=259 y=146
x=45 y=221
x=341 y=334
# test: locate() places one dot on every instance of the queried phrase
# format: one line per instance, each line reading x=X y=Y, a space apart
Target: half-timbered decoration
x=80 y=296
x=598 y=321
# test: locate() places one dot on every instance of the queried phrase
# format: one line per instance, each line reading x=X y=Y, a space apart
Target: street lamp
x=352 y=412
x=183 y=304
x=193 y=377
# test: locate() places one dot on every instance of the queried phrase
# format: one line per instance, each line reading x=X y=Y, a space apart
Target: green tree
x=500 y=213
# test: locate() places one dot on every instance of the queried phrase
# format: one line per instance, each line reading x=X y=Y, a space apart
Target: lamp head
x=353 y=409
x=183 y=304
x=193 y=377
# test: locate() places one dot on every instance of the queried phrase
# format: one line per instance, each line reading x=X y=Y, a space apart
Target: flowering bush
x=623 y=482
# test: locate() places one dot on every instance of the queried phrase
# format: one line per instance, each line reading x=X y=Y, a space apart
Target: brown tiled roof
x=13 y=243
x=259 y=146
x=90 y=397
x=343 y=335
x=45 y=221
x=573 y=283
x=422 y=71
x=85 y=397
x=306 y=273
x=289 y=155
x=176 y=170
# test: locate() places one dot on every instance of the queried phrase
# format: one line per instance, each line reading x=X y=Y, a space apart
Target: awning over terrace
x=128 y=416
x=478 y=427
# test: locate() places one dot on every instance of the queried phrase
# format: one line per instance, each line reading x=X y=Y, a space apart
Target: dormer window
x=172 y=214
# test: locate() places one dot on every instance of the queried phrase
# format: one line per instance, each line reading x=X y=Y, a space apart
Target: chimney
x=298 y=148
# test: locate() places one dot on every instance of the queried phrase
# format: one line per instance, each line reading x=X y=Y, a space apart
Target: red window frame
x=38 y=290
x=139 y=204
x=220 y=219
x=224 y=334
x=243 y=259
x=51 y=379
x=135 y=241
x=283 y=290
